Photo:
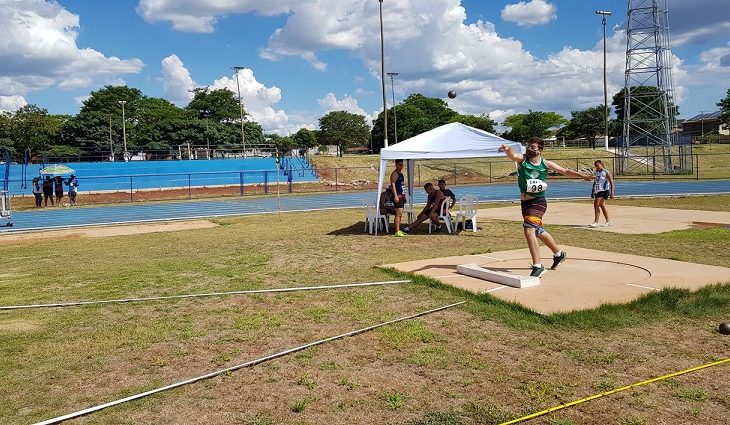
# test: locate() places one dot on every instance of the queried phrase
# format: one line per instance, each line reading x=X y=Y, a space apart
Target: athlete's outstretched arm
x=511 y=154
x=567 y=172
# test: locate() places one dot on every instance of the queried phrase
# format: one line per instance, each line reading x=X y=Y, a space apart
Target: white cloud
x=200 y=15
x=38 y=49
x=81 y=99
x=258 y=100
x=534 y=12
x=698 y=21
x=716 y=59
x=349 y=104
x=11 y=103
x=434 y=50
x=176 y=81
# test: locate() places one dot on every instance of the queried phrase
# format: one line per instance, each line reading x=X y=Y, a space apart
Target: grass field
x=480 y=363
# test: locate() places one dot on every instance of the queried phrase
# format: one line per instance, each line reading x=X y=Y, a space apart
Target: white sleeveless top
x=601 y=182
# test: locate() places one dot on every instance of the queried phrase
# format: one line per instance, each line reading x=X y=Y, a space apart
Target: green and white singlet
x=529 y=171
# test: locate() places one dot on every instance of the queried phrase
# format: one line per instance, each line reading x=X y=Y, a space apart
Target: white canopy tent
x=453 y=140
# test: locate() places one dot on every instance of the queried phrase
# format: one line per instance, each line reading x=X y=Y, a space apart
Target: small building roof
x=703 y=117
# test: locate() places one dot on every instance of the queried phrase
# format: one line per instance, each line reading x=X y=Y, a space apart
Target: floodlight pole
x=603 y=14
x=124 y=130
x=382 y=77
x=392 y=75
x=111 y=141
x=240 y=104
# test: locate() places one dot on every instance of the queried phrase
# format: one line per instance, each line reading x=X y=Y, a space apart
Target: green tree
x=220 y=105
x=417 y=114
x=724 y=105
x=6 y=139
x=159 y=127
x=343 y=129
x=532 y=124
x=283 y=144
x=646 y=108
x=304 y=139
x=588 y=124
x=32 y=127
x=101 y=114
x=482 y=122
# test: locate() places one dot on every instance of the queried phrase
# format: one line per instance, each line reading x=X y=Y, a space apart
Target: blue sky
x=304 y=58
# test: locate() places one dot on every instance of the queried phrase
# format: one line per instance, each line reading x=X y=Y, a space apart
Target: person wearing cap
x=37 y=192
x=73 y=186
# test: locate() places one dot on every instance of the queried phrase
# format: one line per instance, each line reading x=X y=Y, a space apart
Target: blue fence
x=141 y=175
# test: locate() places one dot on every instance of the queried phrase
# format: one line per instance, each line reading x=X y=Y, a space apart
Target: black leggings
x=38 y=199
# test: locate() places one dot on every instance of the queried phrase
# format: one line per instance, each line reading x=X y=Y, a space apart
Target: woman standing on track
x=603 y=188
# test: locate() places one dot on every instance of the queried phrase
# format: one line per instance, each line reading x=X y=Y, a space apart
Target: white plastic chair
x=443 y=216
x=408 y=209
x=468 y=211
x=373 y=218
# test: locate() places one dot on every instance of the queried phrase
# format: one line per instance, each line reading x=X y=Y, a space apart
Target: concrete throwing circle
x=606 y=272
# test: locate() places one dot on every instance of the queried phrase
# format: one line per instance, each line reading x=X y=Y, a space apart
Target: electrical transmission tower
x=649 y=112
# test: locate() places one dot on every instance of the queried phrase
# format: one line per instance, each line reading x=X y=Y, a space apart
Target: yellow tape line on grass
x=583 y=400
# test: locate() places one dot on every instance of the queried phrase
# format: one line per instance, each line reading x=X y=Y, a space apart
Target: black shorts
x=400 y=203
x=605 y=194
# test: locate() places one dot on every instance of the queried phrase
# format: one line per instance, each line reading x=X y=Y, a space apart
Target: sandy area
x=586 y=280
x=632 y=220
x=104 y=231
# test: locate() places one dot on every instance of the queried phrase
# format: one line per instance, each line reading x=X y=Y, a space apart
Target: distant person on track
x=73 y=186
x=47 y=191
x=603 y=188
x=399 y=200
x=534 y=168
x=37 y=192
x=58 y=188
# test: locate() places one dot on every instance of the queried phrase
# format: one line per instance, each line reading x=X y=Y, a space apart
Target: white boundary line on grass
x=210 y=294
x=236 y=367
x=640 y=286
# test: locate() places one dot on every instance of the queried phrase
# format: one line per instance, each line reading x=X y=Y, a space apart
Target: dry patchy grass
x=476 y=364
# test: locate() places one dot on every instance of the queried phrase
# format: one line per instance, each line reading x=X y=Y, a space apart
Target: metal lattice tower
x=649 y=112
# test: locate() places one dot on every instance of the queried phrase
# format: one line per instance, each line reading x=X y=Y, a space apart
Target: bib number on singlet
x=536 y=186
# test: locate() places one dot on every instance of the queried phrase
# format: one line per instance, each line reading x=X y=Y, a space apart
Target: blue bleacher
x=101 y=176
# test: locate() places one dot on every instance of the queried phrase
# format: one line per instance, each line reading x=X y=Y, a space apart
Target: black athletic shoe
x=538 y=271
x=559 y=259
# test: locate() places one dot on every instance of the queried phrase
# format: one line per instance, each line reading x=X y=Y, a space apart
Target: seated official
x=387 y=203
x=447 y=193
x=431 y=210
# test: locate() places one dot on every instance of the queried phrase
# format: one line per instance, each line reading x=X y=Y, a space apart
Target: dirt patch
x=17 y=326
x=626 y=219
x=100 y=232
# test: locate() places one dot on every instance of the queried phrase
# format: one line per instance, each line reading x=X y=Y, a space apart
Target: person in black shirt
x=48 y=190
x=447 y=192
x=431 y=210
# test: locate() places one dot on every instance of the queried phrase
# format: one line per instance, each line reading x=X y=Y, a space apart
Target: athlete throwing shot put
x=532 y=171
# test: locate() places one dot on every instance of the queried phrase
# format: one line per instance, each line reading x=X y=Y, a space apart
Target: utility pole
x=382 y=77
x=603 y=14
x=111 y=141
x=124 y=130
x=240 y=104
x=392 y=75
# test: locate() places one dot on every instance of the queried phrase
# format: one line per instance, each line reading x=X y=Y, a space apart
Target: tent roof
x=453 y=140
